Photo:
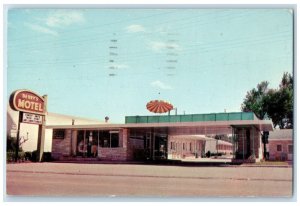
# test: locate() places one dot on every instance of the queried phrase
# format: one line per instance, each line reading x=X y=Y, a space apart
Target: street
x=123 y=180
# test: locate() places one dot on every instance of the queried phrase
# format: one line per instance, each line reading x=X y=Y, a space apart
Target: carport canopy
x=217 y=123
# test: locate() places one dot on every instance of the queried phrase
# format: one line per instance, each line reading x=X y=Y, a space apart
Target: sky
x=110 y=62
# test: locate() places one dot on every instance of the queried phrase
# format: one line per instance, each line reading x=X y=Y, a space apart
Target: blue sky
x=111 y=62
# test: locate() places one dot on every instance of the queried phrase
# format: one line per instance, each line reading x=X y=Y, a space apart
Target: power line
x=99 y=25
x=205 y=48
x=214 y=43
x=67 y=42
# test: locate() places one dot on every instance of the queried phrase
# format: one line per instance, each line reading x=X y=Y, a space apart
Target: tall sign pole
x=18 y=137
x=32 y=110
x=41 y=134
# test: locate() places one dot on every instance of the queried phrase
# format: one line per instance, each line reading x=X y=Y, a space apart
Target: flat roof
x=262 y=125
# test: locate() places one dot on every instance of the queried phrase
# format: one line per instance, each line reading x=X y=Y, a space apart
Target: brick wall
x=282 y=155
x=127 y=145
x=117 y=153
x=61 y=147
x=66 y=148
x=123 y=152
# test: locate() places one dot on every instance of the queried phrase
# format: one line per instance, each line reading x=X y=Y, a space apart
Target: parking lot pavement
x=105 y=180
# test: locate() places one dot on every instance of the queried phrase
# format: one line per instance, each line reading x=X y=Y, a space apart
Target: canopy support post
x=243 y=143
x=252 y=134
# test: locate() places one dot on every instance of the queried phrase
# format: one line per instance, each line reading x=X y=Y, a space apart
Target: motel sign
x=32 y=110
x=32 y=118
x=27 y=101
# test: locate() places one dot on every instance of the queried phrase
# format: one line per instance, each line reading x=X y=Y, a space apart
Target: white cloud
x=135 y=28
x=64 y=17
x=41 y=29
x=158 y=46
x=161 y=30
x=160 y=85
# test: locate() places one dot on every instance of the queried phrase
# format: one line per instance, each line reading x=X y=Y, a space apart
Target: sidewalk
x=268 y=164
x=210 y=162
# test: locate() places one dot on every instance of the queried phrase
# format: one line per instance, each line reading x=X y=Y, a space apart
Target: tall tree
x=275 y=103
x=255 y=100
x=281 y=102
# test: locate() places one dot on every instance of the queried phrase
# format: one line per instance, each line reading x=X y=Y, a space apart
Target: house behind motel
x=281 y=145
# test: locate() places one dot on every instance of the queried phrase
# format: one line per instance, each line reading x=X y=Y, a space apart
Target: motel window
x=183 y=146
x=104 y=138
x=279 y=148
x=115 y=140
x=190 y=146
x=58 y=133
x=109 y=138
x=81 y=143
x=290 y=148
x=172 y=145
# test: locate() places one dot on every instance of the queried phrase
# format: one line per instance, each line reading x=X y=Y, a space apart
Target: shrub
x=46 y=157
x=10 y=156
x=28 y=155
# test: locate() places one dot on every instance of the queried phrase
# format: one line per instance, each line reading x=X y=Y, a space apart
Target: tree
x=275 y=103
x=11 y=147
x=281 y=101
x=10 y=144
x=255 y=100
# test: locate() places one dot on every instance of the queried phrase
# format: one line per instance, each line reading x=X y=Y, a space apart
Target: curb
x=282 y=166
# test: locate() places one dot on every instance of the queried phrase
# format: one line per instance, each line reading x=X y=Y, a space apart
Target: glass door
x=87 y=143
x=160 y=146
x=92 y=143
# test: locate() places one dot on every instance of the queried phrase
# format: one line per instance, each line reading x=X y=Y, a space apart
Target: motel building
x=163 y=137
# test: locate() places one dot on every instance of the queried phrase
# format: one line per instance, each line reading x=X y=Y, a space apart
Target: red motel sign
x=27 y=101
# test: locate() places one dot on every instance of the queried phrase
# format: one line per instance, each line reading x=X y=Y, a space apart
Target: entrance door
x=87 y=143
x=81 y=144
x=160 y=147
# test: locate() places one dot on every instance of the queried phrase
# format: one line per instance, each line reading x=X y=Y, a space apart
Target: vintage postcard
x=148 y=102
